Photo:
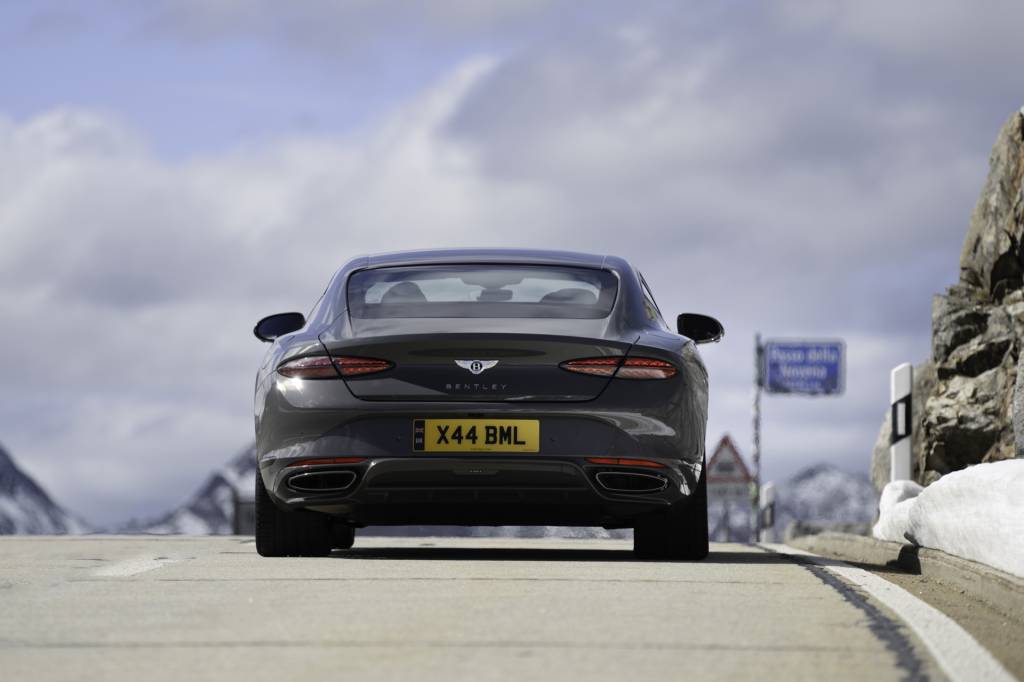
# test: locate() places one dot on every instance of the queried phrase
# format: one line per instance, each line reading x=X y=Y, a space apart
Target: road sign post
x=758 y=383
x=793 y=367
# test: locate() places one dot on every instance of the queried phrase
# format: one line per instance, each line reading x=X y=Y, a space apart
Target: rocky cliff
x=963 y=395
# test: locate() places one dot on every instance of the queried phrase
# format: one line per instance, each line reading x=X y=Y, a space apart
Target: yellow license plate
x=476 y=435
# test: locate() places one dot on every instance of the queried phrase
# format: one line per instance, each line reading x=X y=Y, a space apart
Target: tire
x=284 y=533
x=343 y=536
x=681 y=533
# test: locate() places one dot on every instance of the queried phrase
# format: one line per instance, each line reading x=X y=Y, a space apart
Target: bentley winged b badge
x=476 y=366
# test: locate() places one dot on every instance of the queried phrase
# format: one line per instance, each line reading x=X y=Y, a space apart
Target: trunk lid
x=461 y=366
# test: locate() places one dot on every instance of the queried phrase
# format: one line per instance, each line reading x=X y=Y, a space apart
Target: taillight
x=598 y=367
x=645 y=368
x=318 y=367
x=630 y=368
x=350 y=367
x=323 y=367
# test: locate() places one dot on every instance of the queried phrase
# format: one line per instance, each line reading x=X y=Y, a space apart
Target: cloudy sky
x=171 y=171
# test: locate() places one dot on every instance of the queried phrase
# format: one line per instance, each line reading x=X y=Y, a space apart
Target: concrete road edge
x=999 y=590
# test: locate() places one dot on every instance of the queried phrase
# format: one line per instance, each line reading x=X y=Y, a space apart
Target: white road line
x=957 y=653
x=130 y=567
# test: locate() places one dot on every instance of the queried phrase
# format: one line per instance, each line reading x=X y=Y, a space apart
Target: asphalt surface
x=116 y=608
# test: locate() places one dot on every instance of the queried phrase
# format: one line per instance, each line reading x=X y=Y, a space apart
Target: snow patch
x=976 y=513
x=894 y=510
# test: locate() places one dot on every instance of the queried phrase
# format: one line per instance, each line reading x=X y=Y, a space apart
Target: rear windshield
x=482 y=291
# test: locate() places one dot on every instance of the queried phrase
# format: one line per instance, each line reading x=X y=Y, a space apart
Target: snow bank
x=894 y=510
x=976 y=513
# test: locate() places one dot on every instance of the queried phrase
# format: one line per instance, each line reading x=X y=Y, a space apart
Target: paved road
x=109 y=608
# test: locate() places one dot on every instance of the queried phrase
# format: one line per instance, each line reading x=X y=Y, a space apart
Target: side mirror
x=269 y=328
x=700 y=328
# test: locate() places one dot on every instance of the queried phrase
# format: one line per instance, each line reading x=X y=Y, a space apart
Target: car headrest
x=575 y=296
x=404 y=292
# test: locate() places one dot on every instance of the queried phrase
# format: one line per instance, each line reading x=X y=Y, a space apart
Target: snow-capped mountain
x=821 y=495
x=210 y=511
x=825 y=494
x=25 y=508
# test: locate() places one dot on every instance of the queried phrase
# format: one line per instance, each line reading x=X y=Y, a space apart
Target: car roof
x=526 y=256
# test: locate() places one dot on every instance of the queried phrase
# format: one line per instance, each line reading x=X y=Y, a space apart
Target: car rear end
x=485 y=394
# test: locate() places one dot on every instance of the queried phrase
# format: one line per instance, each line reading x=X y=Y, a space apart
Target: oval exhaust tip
x=322 y=481
x=631 y=482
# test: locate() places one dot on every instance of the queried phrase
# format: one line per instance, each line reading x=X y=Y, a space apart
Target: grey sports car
x=482 y=387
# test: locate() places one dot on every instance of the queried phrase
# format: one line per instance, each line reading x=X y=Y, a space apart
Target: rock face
x=965 y=393
x=991 y=259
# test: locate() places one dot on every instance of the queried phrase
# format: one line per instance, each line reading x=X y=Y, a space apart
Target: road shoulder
x=988 y=604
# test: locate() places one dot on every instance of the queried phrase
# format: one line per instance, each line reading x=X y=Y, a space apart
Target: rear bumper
x=480 y=490
x=396 y=485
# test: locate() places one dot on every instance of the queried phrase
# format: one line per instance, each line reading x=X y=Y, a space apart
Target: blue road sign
x=804 y=367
